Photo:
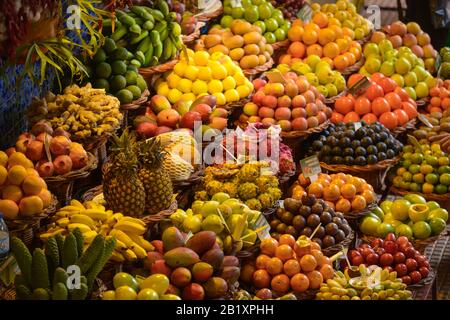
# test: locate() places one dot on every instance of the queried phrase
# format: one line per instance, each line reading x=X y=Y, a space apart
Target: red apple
x=415 y=276
x=193 y=291
x=402 y=241
x=424 y=272
x=411 y=264
x=160 y=266
x=390 y=237
x=390 y=246
x=401 y=269
x=356 y=261
x=259 y=83
x=147 y=129
x=380 y=251
x=162 y=129
x=367 y=251
x=189 y=118
x=386 y=259
x=258 y=97
x=410 y=252
x=168 y=118
x=399 y=257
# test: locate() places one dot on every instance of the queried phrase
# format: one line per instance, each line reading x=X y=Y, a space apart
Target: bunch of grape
x=289 y=8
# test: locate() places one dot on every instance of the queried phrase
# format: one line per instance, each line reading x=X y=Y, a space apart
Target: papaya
x=172 y=238
x=181 y=257
x=214 y=257
x=201 y=241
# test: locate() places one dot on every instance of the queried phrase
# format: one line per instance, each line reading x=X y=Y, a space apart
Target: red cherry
x=357 y=261
x=390 y=246
x=380 y=251
x=424 y=272
x=425 y=264
x=401 y=269
x=410 y=252
x=403 y=247
x=386 y=259
x=372 y=259
x=390 y=237
x=411 y=264
x=354 y=253
x=399 y=257
x=377 y=242
x=415 y=276
x=406 y=280
x=402 y=240
x=365 y=245
x=367 y=252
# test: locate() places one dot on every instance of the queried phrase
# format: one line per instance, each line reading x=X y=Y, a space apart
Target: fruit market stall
x=226 y=150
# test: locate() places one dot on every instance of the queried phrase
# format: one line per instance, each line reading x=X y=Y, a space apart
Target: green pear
x=197 y=206
x=387 y=68
x=209 y=207
x=220 y=197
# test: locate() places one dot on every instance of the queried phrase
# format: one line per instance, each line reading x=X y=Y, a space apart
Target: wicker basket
x=353 y=68
x=410 y=125
x=355 y=215
x=250 y=252
x=332 y=100
x=148 y=72
x=188 y=38
x=374 y=174
x=366 y=39
x=281 y=44
x=331 y=251
x=259 y=69
x=423 y=282
x=131 y=110
x=206 y=16
x=62 y=185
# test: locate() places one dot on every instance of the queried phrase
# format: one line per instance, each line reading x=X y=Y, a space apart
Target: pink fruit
x=159 y=245
x=168 y=118
x=182 y=106
x=258 y=97
x=270 y=102
x=44 y=137
x=60 y=145
x=269 y=121
x=219 y=113
x=193 y=291
x=35 y=150
x=265 y=112
x=152 y=256
x=62 y=164
x=203 y=109
x=147 y=129
x=311 y=109
x=409 y=40
x=298 y=113
x=282 y=113
x=162 y=129
x=45 y=168
x=284 y=101
x=79 y=158
x=189 y=118
x=299 y=124
x=259 y=83
x=160 y=266
x=285 y=125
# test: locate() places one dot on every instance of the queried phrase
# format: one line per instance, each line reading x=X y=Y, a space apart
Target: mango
x=210 y=100
x=159 y=103
x=215 y=288
x=202 y=271
x=237 y=54
x=230 y=261
x=212 y=40
x=201 y=241
x=214 y=257
x=230 y=274
x=252 y=37
x=181 y=257
x=240 y=27
x=250 y=49
x=249 y=62
x=233 y=42
x=219 y=48
x=172 y=238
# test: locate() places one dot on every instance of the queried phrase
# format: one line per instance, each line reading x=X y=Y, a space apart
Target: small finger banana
x=49 y=234
x=122 y=236
x=142 y=242
x=63 y=222
x=89 y=236
x=117 y=257
x=129 y=255
x=134 y=220
x=83 y=228
x=120 y=245
x=70 y=208
x=84 y=219
x=113 y=219
x=139 y=251
x=76 y=203
x=130 y=227
x=96 y=214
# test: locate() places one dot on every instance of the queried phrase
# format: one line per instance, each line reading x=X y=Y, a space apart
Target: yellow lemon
x=249 y=84
x=201 y=58
x=174 y=95
x=163 y=89
x=229 y=83
x=179 y=68
x=215 y=86
x=173 y=80
x=199 y=87
x=185 y=85
x=243 y=91
x=191 y=73
x=231 y=95
x=188 y=97
x=216 y=55
x=239 y=78
x=231 y=67
x=204 y=73
x=219 y=72
x=221 y=100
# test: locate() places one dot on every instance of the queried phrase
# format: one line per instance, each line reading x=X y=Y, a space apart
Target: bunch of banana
x=92 y=218
x=372 y=284
x=152 y=34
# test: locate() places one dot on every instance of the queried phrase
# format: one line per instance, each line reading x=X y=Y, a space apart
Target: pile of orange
x=324 y=37
x=283 y=266
x=343 y=192
x=439 y=98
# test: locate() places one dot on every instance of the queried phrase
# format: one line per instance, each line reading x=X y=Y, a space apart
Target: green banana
x=119 y=33
x=148 y=55
x=153 y=61
x=167 y=52
x=144 y=45
x=175 y=29
x=154 y=35
x=158 y=50
x=157 y=15
x=141 y=12
x=139 y=38
x=140 y=56
x=160 y=26
x=164 y=35
x=125 y=18
x=136 y=63
x=163 y=7
x=148 y=25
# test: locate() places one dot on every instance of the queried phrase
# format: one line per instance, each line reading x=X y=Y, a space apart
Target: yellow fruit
x=210 y=40
x=201 y=58
x=204 y=73
x=188 y=97
x=191 y=73
x=240 y=27
x=185 y=85
x=9 y=209
x=219 y=72
x=3 y=159
x=199 y=87
x=233 y=42
x=179 y=69
x=3 y=174
x=231 y=95
x=16 y=175
x=243 y=91
x=262 y=59
x=18 y=158
x=251 y=49
x=12 y=192
x=30 y=206
x=237 y=54
x=174 y=95
x=32 y=185
x=32 y=172
x=219 y=48
x=215 y=86
x=215 y=57
x=163 y=89
x=240 y=78
x=249 y=62
x=231 y=67
x=229 y=83
x=252 y=37
x=221 y=100
x=46 y=197
x=173 y=80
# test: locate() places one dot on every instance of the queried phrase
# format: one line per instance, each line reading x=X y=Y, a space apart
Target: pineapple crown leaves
x=150 y=152
x=122 y=151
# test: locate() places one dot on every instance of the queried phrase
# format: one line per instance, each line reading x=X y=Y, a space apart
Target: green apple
x=437 y=225
x=379 y=213
x=399 y=209
x=390 y=55
x=415 y=198
x=213 y=223
x=420 y=72
x=438 y=213
x=402 y=66
x=404 y=230
x=384 y=229
x=369 y=226
x=197 y=206
x=387 y=68
x=410 y=79
x=398 y=79
x=209 y=207
x=324 y=75
x=312 y=79
x=431 y=82
x=421 y=230
x=301 y=68
x=404 y=50
x=373 y=64
x=312 y=61
x=370 y=49
x=385 y=45
x=386 y=206
x=192 y=224
x=433 y=205
x=411 y=92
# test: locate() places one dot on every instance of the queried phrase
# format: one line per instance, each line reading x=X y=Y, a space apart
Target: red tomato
x=380 y=106
x=362 y=105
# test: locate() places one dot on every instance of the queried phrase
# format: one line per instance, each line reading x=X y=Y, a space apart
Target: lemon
x=221 y=100
x=243 y=91
x=215 y=86
x=231 y=68
x=249 y=84
x=204 y=73
x=179 y=69
x=191 y=73
x=231 y=95
x=188 y=97
x=216 y=56
x=240 y=79
x=163 y=89
x=219 y=72
x=199 y=87
x=229 y=83
x=201 y=58
x=173 y=80
x=185 y=85
x=174 y=95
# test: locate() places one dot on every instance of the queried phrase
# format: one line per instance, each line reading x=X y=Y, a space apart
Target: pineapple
x=123 y=191
x=247 y=190
x=249 y=172
x=156 y=180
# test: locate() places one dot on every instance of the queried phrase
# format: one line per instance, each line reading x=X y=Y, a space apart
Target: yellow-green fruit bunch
x=199 y=73
x=373 y=283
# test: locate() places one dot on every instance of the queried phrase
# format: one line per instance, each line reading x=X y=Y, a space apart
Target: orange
x=367 y=187
x=369 y=196
x=337 y=30
x=247 y=271
x=380 y=105
x=326 y=271
x=362 y=105
x=287 y=239
x=297 y=50
x=318 y=255
x=343 y=205
x=410 y=109
x=331 y=192
x=310 y=37
x=299 y=283
x=348 y=32
x=340 y=62
x=359 y=203
x=326 y=35
x=315 y=246
x=280 y=283
x=348 y=191
x=435 y=101
x=445 y=103
x=316 y=189
x=343 y=105
x=308 y=263
x=284 y=252
x=285 y=59
x=268 y=246
x=315 y=279
x=314 y=49
x=297 y=22
x=358 y=183
x=291 y=267
x=389 y=120
x=310 y=26
x=295 y=33
x=343 y=45
x=331 y=50
x=261 y=279
x=350 y=57
x=262 y=261
x=329 y=61
x=274 y=266
x=356 y=52
x=434 y=92
x=321 y=19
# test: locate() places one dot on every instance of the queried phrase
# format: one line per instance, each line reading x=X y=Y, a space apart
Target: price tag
x=203 y=4
x=188 y=236
x=305 y=13
x=276 y=76
x=262 y=223
x=357 y=125
x=359 y=87
x=236 y=3
x=425 y=120
x=310 y=167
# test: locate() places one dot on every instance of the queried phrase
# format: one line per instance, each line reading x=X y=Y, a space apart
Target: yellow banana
x=76 y=203
x=90 y=205
x=100 y=207
x=65 y=214
x=83 y=228
x=129 y=255
x=139 y=251
x=49 y=234
x=117 y=257
x=96 y=214
x=70 y=208
x=120 y=245
x=63 y=222
x=104 y=230
x=122 y=236
x=84 y=219
x=142 y=242
x=130 y=227
x=135 y=220
x=113 y=219
x=89 y=236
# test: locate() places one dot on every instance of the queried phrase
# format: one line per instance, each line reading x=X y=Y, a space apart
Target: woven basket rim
x=138 y=102
x=360 y=213
x=354 y=68
x=382 y=165
x=230 y=106
x=332 y=100
x=407 y=126
x=25 y=222
x=281 y=44
x=76 y=174
x=427 y=196
x=195 y=35
x=161 y=68
x=205 y=17
x=259 y=69
x=298 y=134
